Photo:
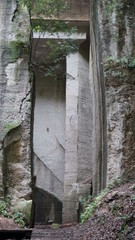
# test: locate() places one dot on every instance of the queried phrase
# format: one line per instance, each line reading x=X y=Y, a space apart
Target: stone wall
x=117 y=25
x=78 y=134
x=15 y=103
x=49 y=133
x=78 y=10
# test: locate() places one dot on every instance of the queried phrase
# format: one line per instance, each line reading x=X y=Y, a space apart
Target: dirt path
x=113 y=219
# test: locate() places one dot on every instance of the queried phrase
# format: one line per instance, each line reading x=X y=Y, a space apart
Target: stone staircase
x=45 y=232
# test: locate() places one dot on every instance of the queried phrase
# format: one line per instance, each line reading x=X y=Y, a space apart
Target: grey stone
x=15 y=106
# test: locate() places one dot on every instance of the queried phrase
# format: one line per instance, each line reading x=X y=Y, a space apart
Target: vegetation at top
x=47 y=17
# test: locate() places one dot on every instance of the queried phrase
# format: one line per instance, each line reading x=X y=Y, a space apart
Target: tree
x=48 y=17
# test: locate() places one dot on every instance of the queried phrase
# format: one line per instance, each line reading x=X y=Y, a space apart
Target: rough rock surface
x=117 y=36
x=15 y=103
x=99 y=133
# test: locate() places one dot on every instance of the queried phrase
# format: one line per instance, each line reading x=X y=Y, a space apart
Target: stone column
x=78 y=134
x=71 y=136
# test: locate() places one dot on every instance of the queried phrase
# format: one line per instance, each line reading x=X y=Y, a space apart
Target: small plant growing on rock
x=55 y=226
x=18 y=218
x=6 y=212
x=4 y=209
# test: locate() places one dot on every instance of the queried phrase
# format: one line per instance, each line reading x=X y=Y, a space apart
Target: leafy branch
x=47 y=17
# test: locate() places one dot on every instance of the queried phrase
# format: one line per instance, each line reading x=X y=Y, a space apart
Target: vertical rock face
x=63 y=123
x=15 y=102
x=117 y=25
x=99 y=139
x=78 y=129
x=83 y=158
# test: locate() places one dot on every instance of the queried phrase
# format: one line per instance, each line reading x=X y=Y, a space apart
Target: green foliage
x=111 y=5
x=131 y=63
x=46 y=9
x=57 y=55
x=28 y=3
x=49 y=8
x=62 y=49
x=3 y=209
x=133 y=198
x=15 y=47
x=114 y=208
x=115 y=183
x=13 y=50
x=18 y=218
x=6 y=212
x=125 y=218
x=123 y=62
x=132 y=187
x=48 y=18
x=90 y=208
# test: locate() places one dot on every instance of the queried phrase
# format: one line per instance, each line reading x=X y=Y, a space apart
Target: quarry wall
x=82 y=132
x=15 y=104
x=116 y=21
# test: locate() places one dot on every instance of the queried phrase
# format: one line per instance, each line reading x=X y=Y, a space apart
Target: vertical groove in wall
x=99 y=112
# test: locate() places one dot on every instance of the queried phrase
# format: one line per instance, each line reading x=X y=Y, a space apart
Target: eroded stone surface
x=15 y=102
x=99 y=125
x=117 y=32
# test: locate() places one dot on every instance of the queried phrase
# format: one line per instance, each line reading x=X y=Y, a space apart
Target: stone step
x=47 y=234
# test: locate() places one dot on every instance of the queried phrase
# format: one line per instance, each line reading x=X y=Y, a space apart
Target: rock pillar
x=78 y=134
x=70 y=184
x=15 y=103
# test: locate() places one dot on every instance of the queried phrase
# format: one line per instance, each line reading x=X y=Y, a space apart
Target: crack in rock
x=23 y=100
x=15 y=10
